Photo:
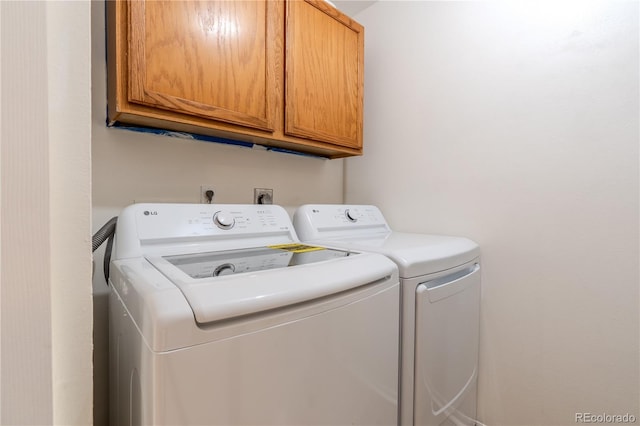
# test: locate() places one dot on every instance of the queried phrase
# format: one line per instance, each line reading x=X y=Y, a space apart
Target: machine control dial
x=350 y=216
x=223 y=220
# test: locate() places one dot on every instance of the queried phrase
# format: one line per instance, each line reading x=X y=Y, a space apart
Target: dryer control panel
x=318 y=221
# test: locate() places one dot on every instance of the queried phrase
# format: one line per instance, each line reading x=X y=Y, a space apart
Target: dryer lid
x=363 y=227
x=415 y=254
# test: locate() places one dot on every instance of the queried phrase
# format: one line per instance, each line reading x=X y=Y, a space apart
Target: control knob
x=350 y=216
x=223 y=220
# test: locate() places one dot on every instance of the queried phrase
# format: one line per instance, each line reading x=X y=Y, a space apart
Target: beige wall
x=516 y=124
x=26 y=366
x=46 y=304
x=69 y=119
x=132 y=167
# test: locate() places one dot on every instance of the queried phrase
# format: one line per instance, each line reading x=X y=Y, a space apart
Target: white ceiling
x=351 y=7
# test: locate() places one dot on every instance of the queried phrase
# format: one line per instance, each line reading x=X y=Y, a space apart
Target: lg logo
x=150 y=213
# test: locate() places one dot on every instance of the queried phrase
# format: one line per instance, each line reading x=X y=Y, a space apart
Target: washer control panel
x=183 y=221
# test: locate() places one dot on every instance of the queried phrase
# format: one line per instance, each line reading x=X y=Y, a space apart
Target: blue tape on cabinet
x=181 y=135
x=206 y=138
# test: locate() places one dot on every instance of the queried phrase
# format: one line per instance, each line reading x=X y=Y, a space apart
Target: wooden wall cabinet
x=286 y=74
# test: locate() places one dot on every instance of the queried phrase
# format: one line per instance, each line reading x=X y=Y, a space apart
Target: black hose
x=106 y=233
x=107 y=258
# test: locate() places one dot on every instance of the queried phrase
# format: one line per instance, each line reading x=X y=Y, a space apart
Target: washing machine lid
x=221 y=263
x=226 y=284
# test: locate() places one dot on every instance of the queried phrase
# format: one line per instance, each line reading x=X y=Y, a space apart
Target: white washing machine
x=440 y=307
x=219 y=316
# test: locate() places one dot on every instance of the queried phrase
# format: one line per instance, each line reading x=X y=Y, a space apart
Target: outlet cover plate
x=262 y=196
x=203 y=194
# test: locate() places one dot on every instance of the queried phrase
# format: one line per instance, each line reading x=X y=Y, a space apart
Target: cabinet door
x=212 y=59
x=324 y=77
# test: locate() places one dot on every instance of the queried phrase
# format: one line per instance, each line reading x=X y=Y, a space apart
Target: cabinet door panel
x=213 y=59
x=324 y=74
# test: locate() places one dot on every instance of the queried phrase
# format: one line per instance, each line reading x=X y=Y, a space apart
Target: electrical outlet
x=262 y=196
x=206 y=197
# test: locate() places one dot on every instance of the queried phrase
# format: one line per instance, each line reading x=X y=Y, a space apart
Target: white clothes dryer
x=219 y=316
x=440 y=307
